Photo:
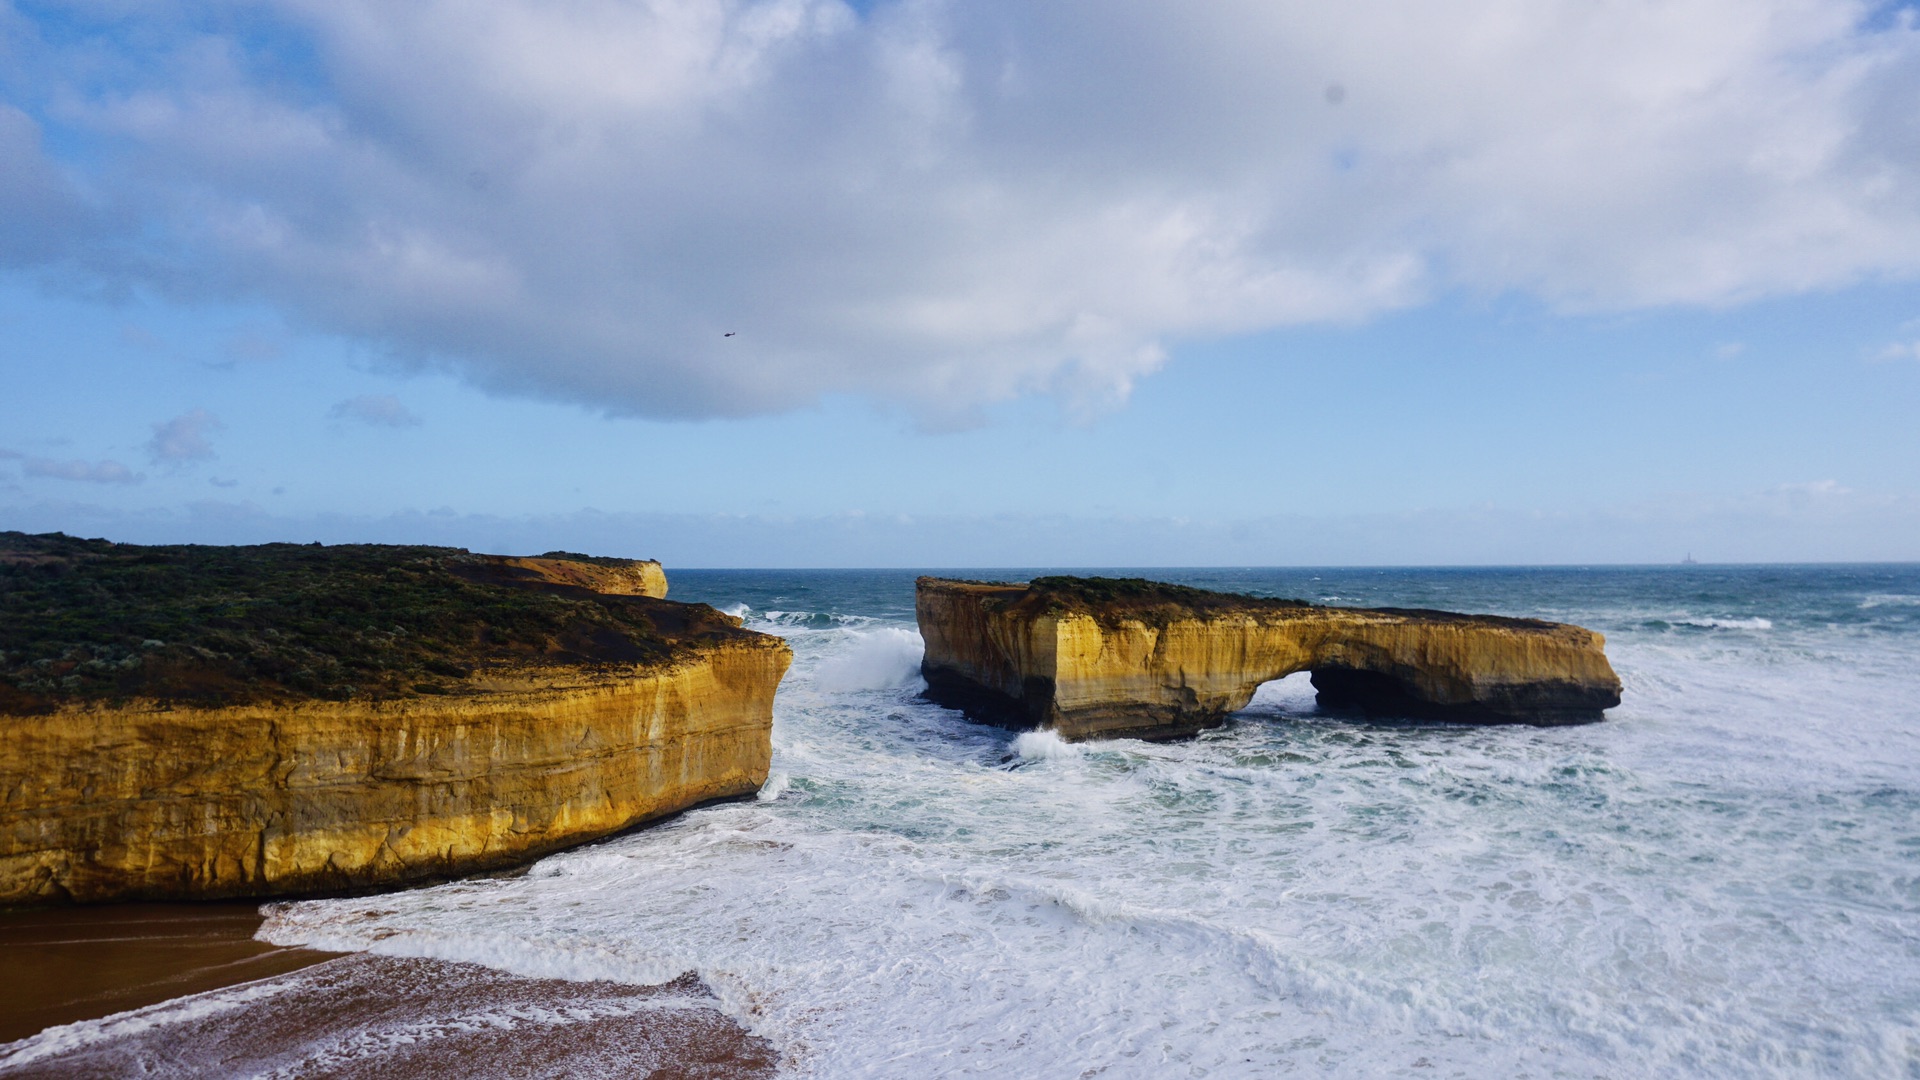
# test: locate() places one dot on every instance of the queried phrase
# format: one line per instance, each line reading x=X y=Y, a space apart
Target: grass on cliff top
x=593 y=560
x=1141 y=598
x=89 y=619
x=1155 y=602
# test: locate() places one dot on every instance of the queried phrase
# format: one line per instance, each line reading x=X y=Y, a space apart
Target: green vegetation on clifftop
x=90 y=619
x=1140 y=598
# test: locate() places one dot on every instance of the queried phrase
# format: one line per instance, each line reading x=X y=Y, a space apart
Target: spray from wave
x=882 y=659
x=1045 y=746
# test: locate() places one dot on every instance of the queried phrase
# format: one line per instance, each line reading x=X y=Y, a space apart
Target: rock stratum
x=188 y=722
x=1113 y=658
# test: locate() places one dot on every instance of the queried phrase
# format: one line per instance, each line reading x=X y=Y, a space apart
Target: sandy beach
x=185 y=991
x=62 y=965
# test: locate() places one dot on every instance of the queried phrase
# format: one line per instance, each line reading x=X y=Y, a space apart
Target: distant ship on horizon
x=1689 y=560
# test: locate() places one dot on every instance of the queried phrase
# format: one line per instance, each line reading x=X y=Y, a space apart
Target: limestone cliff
x=612 y=577
x=1103 y=658
x=184 y=771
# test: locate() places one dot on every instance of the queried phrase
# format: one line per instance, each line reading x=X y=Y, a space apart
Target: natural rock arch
x=1092 y=657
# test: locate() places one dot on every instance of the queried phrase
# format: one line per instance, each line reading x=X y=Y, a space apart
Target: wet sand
x=292 y=1013
x=62 y=965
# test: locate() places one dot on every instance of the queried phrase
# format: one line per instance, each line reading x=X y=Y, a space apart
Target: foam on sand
x=376 y=1017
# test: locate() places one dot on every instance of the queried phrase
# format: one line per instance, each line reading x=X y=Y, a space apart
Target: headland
x=204 y=722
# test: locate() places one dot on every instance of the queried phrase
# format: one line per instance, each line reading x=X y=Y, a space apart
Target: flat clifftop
x=1115 y=600
x=1093 y=657
x=94 y=621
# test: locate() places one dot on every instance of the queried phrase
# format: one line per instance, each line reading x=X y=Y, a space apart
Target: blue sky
x=1107 y=285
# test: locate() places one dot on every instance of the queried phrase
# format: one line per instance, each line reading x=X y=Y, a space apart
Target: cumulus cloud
x=377 y=410
x=183 y=439
x=710 y=207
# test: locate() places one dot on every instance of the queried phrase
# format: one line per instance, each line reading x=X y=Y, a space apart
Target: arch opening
x=1289 y=695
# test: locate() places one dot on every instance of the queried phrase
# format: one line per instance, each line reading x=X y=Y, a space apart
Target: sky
x=944 y=284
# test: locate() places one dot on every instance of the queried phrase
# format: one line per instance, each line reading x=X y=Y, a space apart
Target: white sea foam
x=1708 y=623
x=369 y=1015
x=1700 y=886
x=1874 y=600
x=1044 y=746
x=67 y=1038
x=776 y=786
x=792 y=622
x=877 y=659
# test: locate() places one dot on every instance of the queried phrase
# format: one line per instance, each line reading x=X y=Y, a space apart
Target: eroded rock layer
x=1106 y=658
x=187 y=779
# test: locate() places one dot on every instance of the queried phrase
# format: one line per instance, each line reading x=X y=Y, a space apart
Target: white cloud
x=183 y=438
x=93 y=472
x=946 y=204
x=1812 y=489
x=1899 y=350
x=377 y=410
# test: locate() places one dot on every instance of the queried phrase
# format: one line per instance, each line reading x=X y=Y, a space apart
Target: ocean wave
x=1874 y=600
x=880 y=659
x=776 y=786
x=791 y=622
x=1045 y=746
x=1711 y=623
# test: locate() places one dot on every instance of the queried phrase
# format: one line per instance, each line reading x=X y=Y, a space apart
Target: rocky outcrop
x=1107 y=658
x=611 y=577
x=510 y=753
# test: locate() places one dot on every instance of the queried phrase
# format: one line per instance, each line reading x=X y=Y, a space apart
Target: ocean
x=1721 y=879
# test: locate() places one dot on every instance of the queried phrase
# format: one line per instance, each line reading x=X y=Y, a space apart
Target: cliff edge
x=194 y=722
x=1112 y=658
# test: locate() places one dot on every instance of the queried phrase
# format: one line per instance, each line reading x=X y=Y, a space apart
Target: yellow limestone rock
x=158 y=799
x=1108 y=658
x=149 y=801
x=613 y=577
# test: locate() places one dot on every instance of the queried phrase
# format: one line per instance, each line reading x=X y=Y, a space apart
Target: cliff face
x=154 y=802
x=633 y=708
x=1092 y=658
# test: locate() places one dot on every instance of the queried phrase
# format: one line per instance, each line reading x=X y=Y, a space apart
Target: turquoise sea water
x=1722 y=879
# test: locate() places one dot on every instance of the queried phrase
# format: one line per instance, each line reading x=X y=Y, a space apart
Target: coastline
x=64 y=965
x=303 y=1010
